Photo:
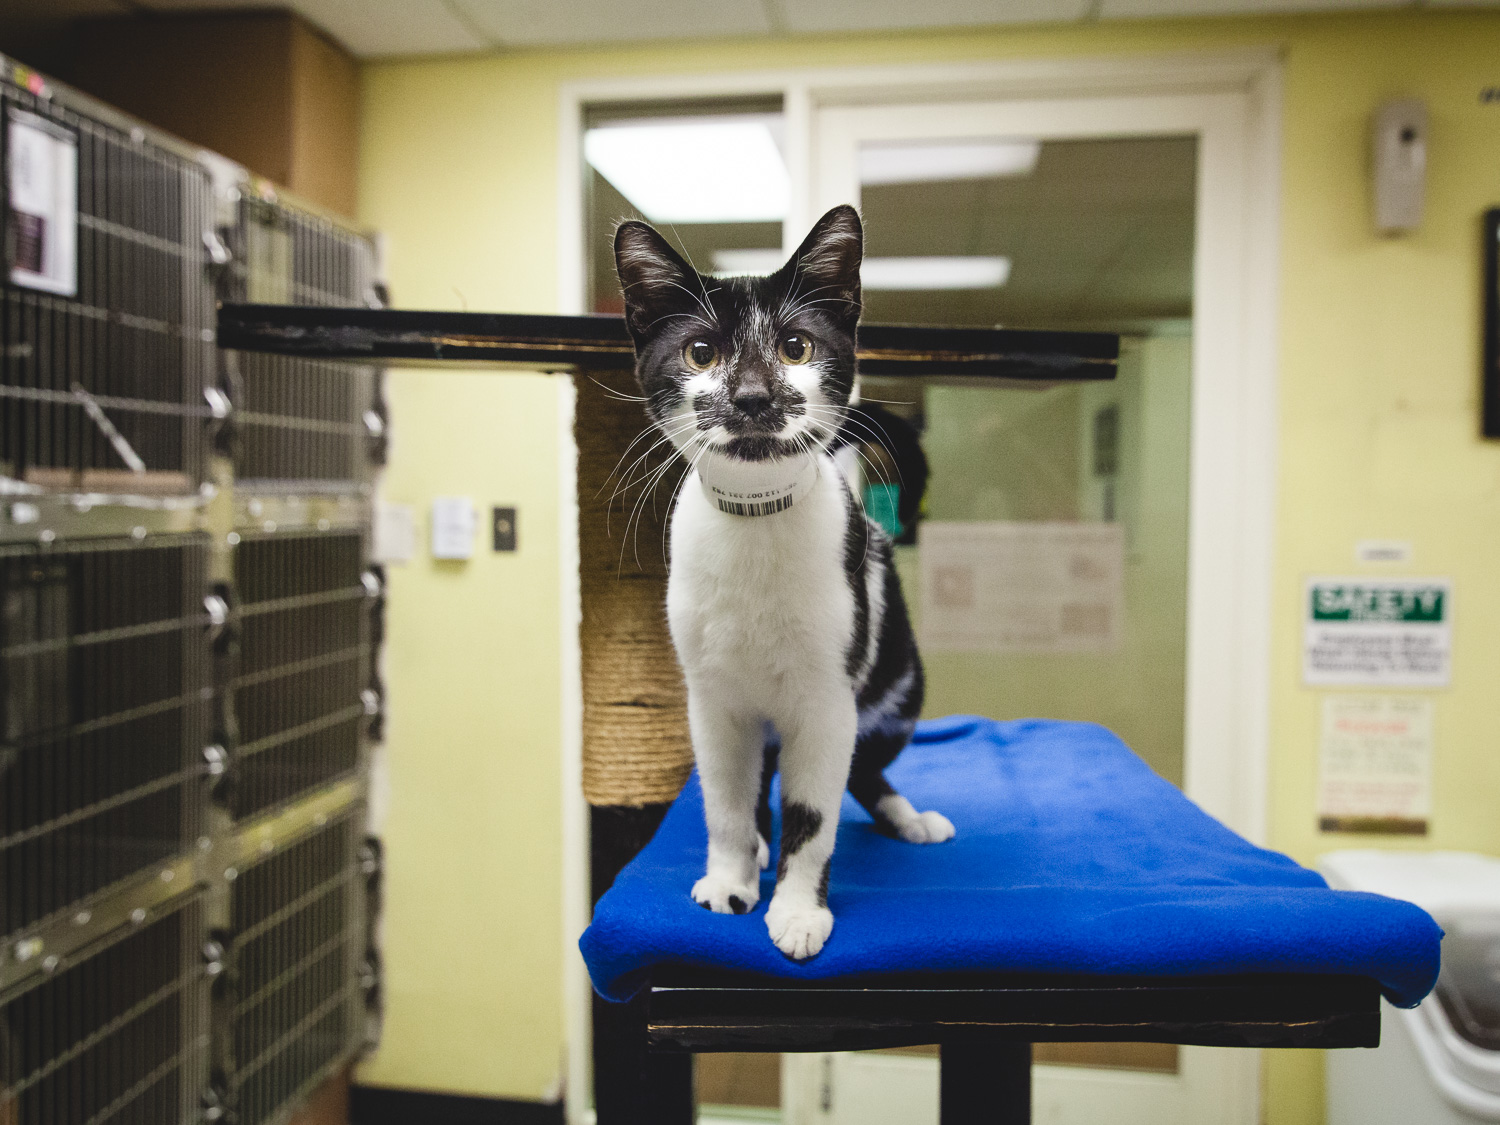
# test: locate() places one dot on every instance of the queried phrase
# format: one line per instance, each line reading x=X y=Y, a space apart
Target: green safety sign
x=1337 y=601
x=1377 y=632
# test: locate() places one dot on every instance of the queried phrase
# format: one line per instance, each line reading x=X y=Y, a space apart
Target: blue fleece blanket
x=1072 y=856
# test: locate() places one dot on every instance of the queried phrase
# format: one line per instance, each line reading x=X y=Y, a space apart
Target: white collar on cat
x=756 y=488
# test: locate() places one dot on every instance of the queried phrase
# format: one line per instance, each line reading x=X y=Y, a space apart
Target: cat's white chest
x=757 y=605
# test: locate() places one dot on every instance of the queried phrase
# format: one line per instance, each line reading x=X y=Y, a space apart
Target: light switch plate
x=454 y=522
x=503 y=526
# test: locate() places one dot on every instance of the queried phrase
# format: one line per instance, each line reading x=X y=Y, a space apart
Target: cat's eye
x=700 y=355
x=795 y=348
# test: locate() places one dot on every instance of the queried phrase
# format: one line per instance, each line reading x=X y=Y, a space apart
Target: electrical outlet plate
x=503 y=527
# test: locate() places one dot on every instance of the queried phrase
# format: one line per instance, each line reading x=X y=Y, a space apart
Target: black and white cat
x=784 y=606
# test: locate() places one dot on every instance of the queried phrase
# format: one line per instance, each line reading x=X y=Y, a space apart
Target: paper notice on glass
x=1377 y=632
x=1375 y=764
x=42 y=204
x=1009 y=587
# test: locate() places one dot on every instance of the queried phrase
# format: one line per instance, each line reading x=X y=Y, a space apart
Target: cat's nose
x=751 y=401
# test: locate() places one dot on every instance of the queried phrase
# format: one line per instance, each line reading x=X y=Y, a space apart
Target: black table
x=985 y=1024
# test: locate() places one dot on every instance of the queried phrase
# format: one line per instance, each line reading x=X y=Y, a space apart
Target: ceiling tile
x=877 y=15
x=369 y=28
x=1110 y=9
x=372 y=28
x=1101 y=229
x=524 y=23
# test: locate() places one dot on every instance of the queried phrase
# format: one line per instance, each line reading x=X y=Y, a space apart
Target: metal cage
x=116 y=1035
x=304 y=663
x=104 y=658
x=102 y=381
x=295 y=996
x=188 y=622
x=300 y=424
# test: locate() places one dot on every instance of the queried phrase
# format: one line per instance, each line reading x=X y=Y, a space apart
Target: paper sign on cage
x=42 y=211
x=1009 y=587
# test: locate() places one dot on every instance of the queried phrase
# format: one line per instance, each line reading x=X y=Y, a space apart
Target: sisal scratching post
x=636 y=749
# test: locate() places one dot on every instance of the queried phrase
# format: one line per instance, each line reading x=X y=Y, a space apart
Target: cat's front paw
x=725 y=896
x=927 y=828
x=762 y=852
x=798 y=931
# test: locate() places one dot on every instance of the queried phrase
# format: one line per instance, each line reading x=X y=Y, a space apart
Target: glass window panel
x=1055 y=485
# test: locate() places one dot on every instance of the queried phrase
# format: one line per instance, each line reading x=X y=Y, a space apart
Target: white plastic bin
x=1439 y=1063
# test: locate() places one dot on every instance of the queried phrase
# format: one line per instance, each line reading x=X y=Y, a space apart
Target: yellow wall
x=473 y=947
x=1378 y=352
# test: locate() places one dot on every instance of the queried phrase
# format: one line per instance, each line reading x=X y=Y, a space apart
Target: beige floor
x=754 y=1080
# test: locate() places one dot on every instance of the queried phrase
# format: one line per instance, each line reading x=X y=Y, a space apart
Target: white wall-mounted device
x=1400 y=164
x=454 y=522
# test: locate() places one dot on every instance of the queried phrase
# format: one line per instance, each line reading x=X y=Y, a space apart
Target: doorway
x=1171 y=465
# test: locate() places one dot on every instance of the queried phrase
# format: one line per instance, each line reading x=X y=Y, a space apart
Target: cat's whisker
x=647 y=432
x=647 y=492
x=697 y=273
x=647 y=486
x=857 y=425
x=872 y=471
x=703 y=442
x=644 y=482
x=687 y=471
x=703 y=300
x=845 y=418
x=664 y=436
x=625 y=483
x=791 y=293
x=711 y=323
x=612 y=393
x=689 y=315
x=809 y=301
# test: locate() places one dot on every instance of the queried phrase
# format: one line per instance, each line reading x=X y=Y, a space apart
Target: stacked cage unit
x=188 y=621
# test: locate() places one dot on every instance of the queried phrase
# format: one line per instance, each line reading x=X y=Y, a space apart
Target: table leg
x=985 y=1084
x=632 y=1084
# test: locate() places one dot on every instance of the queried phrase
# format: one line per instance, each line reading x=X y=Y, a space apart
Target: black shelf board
x=534 y=341
x=708 y=1010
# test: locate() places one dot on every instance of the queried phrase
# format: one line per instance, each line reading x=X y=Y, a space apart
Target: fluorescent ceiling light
x=733 y=263
x=884 y=273
x=694 y=169
x=934 y=273
x=912 y=162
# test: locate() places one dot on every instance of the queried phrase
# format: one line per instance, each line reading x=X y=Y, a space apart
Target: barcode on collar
x=769 y=508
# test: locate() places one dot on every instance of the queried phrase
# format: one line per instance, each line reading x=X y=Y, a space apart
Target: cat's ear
x=654 y=279
x=825 y=268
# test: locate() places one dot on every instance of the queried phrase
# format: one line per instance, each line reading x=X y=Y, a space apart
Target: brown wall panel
x=264 y=88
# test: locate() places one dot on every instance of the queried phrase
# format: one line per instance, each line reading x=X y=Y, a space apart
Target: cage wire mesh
x=105 y=703
x=115 y=677
x=304 y=663
x=296 y=948
x=301 y=423
x=119 y=1037
x=102 y=381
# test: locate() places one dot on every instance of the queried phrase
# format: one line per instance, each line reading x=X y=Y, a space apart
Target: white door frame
x=1232 y=102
